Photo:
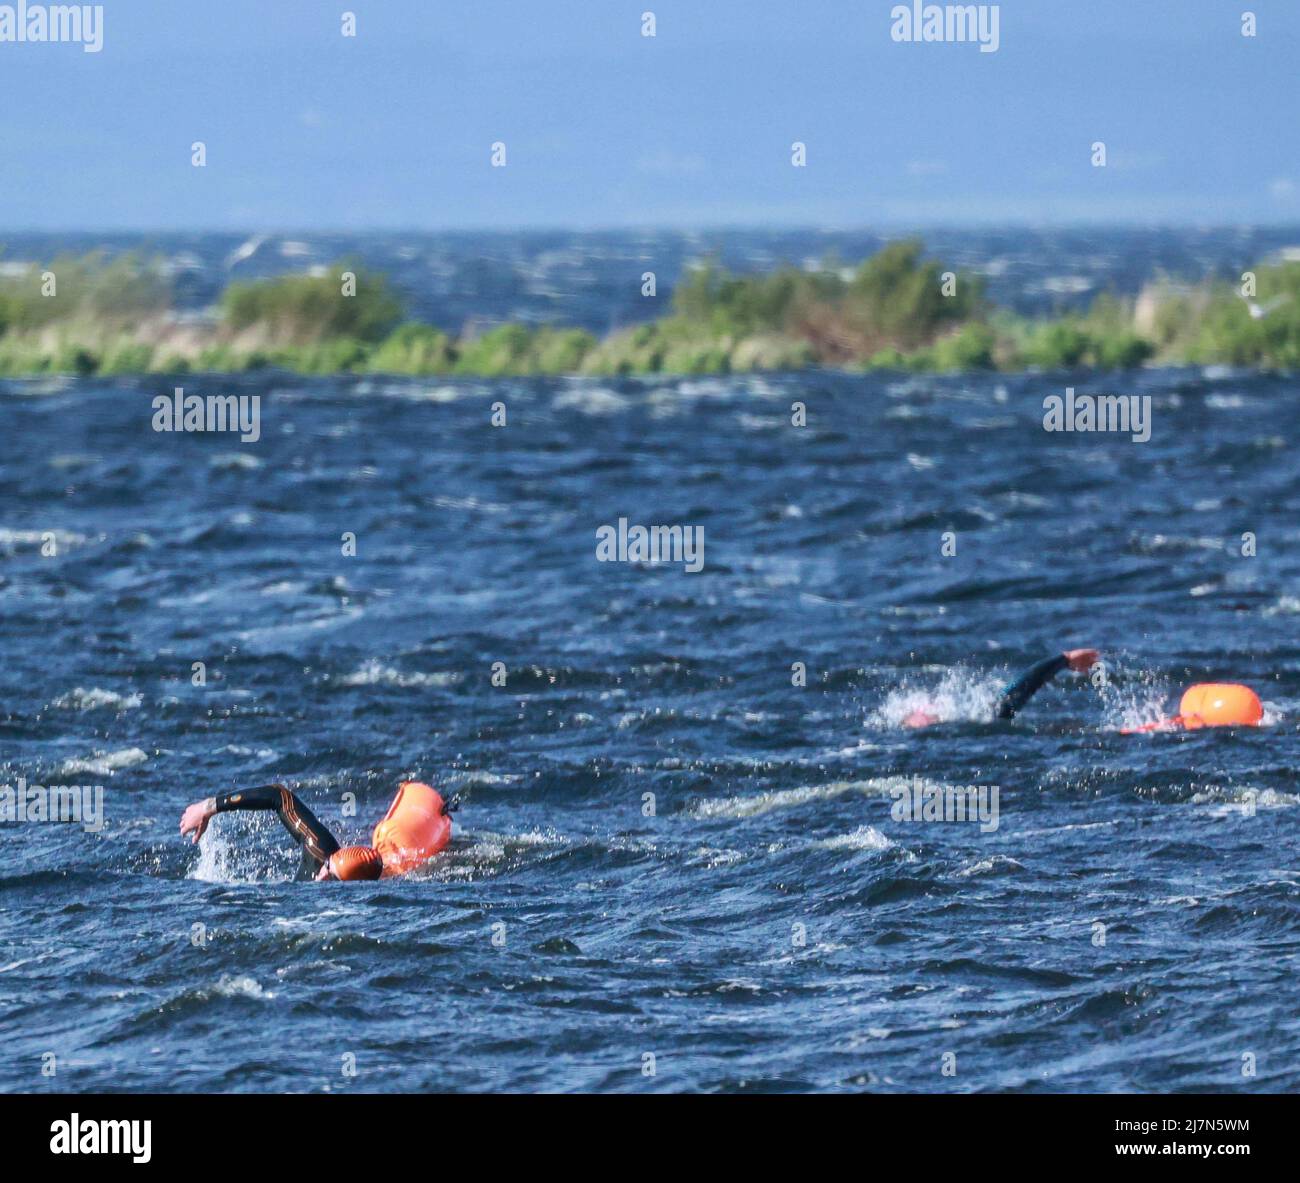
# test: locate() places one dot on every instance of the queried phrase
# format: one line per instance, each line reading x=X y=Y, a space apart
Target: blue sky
x=308 y=130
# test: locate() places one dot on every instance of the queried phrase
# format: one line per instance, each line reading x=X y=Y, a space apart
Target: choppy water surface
x=769 y=926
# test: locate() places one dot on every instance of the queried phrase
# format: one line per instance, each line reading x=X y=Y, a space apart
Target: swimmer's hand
x=1081 y=660
x=195 y=819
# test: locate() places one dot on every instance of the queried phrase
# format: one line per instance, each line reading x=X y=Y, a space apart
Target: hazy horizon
x=864 y=227
x=309 y=131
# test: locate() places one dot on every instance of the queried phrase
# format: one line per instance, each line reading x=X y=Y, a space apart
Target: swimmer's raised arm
x=316 y=841
x=1020 y=691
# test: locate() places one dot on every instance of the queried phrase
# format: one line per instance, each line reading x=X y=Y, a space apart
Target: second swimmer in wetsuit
x=1017 y=693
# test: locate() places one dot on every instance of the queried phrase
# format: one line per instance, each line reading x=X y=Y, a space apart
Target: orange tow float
x=1211 y=704
x=415 y=828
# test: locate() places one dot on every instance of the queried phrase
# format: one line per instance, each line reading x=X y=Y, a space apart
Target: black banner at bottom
x=617 y=1132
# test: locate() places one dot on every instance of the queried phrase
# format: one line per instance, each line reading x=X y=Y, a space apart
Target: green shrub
x=971 y=348
x=74 y=359
x=95 y=290
x=303 y=309
x=1124 y=351
x=339 y=355
x=1057 y=346
x=501 y=351
x=886 y=359
x=561 y=351
x=416 y=349
x=127 y=357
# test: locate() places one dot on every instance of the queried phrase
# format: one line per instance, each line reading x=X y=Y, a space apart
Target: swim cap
x=1220 y=704
x=356 y=862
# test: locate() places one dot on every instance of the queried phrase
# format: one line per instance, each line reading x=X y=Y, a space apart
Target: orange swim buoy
x=416 y=826
x=1210 y=704
x=1220 y=704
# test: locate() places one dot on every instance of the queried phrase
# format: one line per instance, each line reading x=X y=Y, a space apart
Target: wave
x=756 y=804
x=997 y=864
x=62 y=538
x=863 y=838
x=103 y=763
x=375 y=673
x=95 y=699
x=229 y=461
x=1234 y=800
x=591 y=400
x=235 y=986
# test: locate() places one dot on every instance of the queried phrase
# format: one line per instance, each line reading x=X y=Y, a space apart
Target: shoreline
x=1208 y=371
x=898 y=310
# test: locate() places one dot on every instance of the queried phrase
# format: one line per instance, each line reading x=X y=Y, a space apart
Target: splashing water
x=229 y=857
x=961 y=695
x=1144 y=700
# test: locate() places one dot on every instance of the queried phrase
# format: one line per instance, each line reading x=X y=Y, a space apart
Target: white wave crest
x=591 y=400
x=241 y=986
x=863 y=838
x=95 y=699
x=103 y=763
x=760 y=803
x=375 y=673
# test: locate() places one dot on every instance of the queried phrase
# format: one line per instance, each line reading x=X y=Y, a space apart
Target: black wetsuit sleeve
x=1019 y=692
x=316 y=841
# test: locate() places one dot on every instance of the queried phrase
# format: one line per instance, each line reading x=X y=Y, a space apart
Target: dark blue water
x=769 y=926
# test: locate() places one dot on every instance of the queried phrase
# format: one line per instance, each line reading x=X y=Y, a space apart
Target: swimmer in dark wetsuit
x=1017 y=693
x=307 y=830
